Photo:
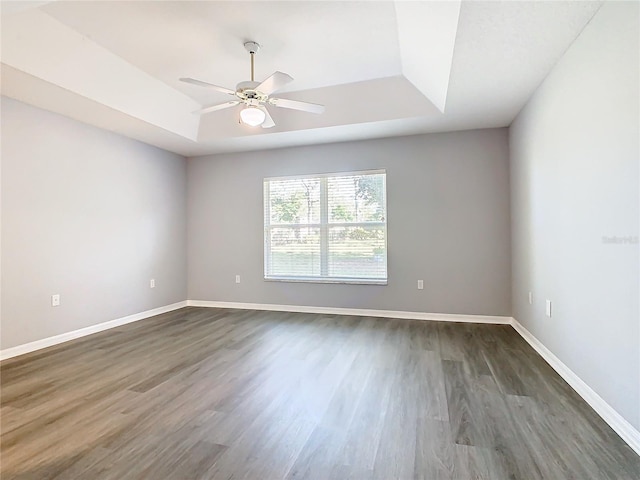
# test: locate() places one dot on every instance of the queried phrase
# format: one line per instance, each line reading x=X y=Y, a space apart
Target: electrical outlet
x=420 y=284
x=55 y=300
x=530 y=298
x=152 y=283
x=237 y=278
x=548 y=309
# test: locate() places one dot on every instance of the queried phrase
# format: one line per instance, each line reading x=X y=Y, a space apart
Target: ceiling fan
x=255 y=96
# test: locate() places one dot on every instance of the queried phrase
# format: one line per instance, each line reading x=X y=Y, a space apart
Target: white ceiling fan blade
x=274 y=82
x=268 y=121
x=218 y=106
x=200 y=83
x=296 y=105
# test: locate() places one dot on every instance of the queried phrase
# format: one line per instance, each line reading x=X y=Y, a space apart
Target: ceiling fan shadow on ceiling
x=255 y=96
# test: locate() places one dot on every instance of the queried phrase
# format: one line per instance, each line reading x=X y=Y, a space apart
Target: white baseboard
x=360 y=312
x=82 y=332
x=623 y=428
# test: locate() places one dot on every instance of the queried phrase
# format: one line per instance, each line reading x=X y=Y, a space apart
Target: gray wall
x=87 y=214
x=448 y=223
x=574 y=177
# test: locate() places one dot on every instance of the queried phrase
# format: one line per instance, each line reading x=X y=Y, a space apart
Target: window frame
x=323 y=226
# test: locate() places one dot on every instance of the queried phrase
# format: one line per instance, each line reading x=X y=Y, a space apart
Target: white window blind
x=326 y=228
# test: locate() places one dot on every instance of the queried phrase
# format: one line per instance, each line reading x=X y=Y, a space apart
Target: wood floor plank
x=475 y=463
x=429 y=378
x=543 y=438
x=318 y=458
x=400 y=423
x=240 y=394
x=509 y=452
x=435 y=450
x=462 y=420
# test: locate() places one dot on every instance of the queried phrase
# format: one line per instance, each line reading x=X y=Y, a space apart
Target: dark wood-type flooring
x=238 y=394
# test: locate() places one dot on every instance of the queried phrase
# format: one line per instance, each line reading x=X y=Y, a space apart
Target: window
x=326 y=228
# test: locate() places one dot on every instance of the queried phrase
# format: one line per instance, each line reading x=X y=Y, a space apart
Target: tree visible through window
x=326 y=228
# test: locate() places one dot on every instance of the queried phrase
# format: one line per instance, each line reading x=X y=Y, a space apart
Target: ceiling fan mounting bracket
x=252 y=47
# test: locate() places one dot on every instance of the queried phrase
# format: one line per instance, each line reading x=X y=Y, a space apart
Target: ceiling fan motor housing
x=246 y=91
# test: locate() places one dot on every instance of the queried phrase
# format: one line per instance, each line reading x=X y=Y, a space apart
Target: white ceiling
x=381 y=68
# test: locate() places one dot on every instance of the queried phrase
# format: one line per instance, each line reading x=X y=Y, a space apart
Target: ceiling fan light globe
x=252 y=116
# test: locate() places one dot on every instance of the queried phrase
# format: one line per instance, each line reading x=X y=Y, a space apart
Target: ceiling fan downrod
x=252 y=48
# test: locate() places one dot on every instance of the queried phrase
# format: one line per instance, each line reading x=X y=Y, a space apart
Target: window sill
x=346 y=281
